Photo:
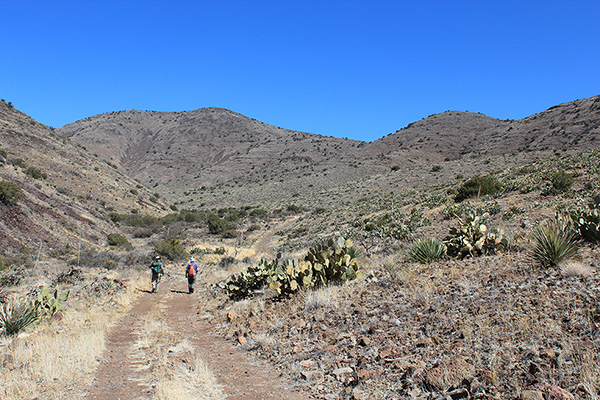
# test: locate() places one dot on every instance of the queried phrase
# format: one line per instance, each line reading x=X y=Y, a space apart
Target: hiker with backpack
x=158 y=271
x=191 y=270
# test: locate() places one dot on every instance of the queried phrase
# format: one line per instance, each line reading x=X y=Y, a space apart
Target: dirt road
x=122 y=375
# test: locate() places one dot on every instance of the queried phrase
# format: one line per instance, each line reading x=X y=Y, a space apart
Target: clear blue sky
x=357 y=69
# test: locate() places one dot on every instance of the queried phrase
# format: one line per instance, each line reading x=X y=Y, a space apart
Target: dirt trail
x=241 y=376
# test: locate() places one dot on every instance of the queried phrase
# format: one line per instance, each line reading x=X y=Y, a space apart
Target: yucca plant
x=427 y=250
x=554 y=243
x=15 y=317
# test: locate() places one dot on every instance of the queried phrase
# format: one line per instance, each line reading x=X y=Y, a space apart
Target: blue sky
x=356 y=69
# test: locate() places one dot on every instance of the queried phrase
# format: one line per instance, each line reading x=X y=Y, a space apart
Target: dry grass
x=57 y=358
x=178 y=372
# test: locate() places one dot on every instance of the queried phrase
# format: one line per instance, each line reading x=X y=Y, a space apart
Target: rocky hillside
x=63 y=193
x=217 y=157
x=454 y=134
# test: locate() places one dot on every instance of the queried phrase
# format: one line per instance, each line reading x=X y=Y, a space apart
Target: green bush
x=36 y=173
x=427 y=250
x=118 y=240
x=217 y=225
x=171 y=249
x=10 y=193
x=554 y=243
x=478 y=186
x=561 y=181
x=18 y=162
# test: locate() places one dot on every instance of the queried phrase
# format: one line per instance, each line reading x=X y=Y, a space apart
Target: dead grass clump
x=575 y=268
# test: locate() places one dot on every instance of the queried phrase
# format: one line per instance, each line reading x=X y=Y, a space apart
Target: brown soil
x=241 y=376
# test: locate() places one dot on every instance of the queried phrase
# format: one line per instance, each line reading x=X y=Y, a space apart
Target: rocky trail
x=122 y=375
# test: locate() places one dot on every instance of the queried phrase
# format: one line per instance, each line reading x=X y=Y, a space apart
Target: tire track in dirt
x=116 y=376
x=242 y=377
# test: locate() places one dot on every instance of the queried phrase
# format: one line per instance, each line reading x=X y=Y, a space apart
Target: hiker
x=157 y=269
x=190 y=273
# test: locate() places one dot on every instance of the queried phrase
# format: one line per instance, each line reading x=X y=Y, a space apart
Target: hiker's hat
x=192 y=259
x=157 y=257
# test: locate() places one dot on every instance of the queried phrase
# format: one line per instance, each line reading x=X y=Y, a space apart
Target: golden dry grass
x=57 y=359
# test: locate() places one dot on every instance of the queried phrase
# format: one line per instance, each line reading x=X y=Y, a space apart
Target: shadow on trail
x=144 y=290
x=179 y=291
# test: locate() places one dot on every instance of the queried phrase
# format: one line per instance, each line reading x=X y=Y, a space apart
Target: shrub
x=36 y=173
x=436 y=168
x=134 y=192
x=10 y=193
x=561 y=181
x=118 y=240
x=554 y=243
x=477 y=186
x=171 y=249
x=395 y=168
x=218 y=225
x=15 y=317
x=18 y=162
x=426 y=250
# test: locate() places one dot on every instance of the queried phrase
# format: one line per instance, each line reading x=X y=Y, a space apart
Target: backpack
x=191 y=269
x=156 y=267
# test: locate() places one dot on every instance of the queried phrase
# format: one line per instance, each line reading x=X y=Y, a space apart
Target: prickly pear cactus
x=586 y=221
x=473 y=238
x=49 y=303
x=333 y=261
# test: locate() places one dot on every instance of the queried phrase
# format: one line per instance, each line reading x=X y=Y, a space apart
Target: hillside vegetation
x=471 y=269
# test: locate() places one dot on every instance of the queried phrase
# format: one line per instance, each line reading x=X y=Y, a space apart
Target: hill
x=67 y=194
x=217 y=157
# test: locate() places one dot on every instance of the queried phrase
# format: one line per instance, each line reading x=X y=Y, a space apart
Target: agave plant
x=427 y=250
x=15 y=317
x=554 y=243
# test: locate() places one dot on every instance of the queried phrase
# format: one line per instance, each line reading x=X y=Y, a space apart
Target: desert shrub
x=142 y=233
x=3 y=153
x=219 y=250
x=36 y=173
x=258 y=213
x=472 y=238
x=217 y=225
x=10 y=193
x=118 y=240
x=554 y=243
x=17 y=316
x=395 y=168
x=477 y=186
x=18 y=162
x=436 y=168
x=171 y=249
x=134 y=192
x=93 y=259
x=427 y=250
x=226 y=261
x=3 y=265
x=561 y=181
x=174 y=207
